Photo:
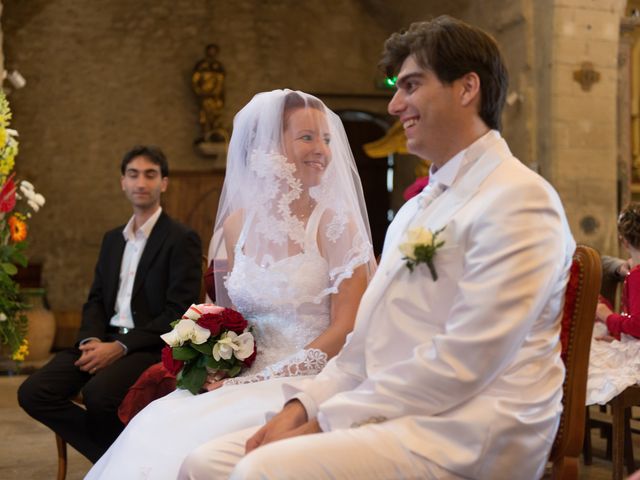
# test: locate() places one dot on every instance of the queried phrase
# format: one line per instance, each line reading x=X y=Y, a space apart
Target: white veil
x=267 y=202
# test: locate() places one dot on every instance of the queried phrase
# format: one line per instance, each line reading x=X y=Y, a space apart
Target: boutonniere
x=421 y=247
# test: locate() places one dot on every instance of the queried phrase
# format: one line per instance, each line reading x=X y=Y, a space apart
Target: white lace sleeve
x=309 y=361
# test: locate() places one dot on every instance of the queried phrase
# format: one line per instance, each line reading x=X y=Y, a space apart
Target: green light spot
x=391 y=82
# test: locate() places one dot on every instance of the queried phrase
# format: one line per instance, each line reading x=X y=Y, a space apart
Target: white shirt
x=135 y=243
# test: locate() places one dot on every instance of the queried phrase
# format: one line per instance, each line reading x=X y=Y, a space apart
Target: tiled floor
x=28 y=452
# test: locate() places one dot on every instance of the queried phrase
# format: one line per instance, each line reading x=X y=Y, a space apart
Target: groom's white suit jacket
x=465 y=370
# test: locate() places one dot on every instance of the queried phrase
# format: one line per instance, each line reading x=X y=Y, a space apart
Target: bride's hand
x=212 y=385
x=215 y=379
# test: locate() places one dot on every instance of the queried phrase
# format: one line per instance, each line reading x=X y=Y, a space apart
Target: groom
x=452 y=371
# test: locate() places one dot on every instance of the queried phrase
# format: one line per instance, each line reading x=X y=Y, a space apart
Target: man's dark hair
x=152 y=153
x=452 y=48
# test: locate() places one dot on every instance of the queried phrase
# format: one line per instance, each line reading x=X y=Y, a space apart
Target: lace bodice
x=279 y=298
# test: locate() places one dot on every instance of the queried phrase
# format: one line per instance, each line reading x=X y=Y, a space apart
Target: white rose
x=408 y=250
x=415 y=236
x=3 y=317
x=419 y=236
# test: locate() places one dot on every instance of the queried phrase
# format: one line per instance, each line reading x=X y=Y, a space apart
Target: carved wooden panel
x=192 y=198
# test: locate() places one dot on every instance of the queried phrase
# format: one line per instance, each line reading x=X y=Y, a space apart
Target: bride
x=291 y=250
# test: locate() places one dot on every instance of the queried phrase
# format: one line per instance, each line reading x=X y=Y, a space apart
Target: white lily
x=230 y=343
x=186 y=330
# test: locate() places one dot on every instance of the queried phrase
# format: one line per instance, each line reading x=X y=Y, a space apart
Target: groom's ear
x=470 y=89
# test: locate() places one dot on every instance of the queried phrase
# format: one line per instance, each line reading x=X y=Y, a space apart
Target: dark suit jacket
x=167 y=282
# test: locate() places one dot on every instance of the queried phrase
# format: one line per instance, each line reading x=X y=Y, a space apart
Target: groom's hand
x=283 y=425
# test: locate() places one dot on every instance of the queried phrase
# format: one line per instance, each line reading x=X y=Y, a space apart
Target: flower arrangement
x=421 y=247
x=17 y=200
x=207 y=338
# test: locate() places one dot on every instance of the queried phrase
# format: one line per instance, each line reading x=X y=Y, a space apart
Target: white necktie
x=429 y=194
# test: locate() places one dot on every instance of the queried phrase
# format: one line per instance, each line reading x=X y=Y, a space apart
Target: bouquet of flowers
x=17 y=200
x=207 y=338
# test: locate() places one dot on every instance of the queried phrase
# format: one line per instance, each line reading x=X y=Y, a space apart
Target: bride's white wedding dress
x=269 y=296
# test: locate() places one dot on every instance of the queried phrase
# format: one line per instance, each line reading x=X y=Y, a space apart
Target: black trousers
x=46 y=396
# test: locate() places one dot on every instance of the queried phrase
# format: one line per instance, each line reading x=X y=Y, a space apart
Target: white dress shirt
x=135 y=243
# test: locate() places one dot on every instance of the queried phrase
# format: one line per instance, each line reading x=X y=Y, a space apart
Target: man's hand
x=96 y=355
x=285 y=424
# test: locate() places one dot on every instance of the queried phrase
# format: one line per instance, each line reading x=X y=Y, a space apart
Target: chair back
x=581 y=299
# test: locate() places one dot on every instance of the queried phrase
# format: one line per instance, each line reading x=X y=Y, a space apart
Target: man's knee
x=98 y=397
x=29 y=394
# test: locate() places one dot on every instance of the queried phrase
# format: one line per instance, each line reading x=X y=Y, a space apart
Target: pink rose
x=209 y=308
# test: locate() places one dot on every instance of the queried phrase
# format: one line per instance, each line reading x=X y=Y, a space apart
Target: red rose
x=212 y=322
x=233 y=321
x=170 y=363
x=247 y=362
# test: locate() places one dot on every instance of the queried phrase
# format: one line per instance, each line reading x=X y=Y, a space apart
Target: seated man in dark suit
x=147 y=275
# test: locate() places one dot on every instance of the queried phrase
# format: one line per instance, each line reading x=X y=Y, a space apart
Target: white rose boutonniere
x=421 y=247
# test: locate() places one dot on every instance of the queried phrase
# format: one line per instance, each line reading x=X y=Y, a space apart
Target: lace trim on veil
x=273 y=168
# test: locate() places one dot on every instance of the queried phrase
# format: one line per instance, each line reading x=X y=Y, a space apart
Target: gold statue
x=208 y=84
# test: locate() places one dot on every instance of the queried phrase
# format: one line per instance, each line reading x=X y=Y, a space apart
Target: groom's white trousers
x=367 y=452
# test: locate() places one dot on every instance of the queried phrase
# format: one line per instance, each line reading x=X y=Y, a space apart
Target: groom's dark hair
x=452 y=48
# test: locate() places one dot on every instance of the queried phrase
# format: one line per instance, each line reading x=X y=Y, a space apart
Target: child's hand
x=602 y=312
x=605 y=338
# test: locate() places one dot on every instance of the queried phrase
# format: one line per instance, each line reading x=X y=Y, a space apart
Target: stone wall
x=582 y=160
x=105 y=75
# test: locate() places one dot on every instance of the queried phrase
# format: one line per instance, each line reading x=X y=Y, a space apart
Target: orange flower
x=18 y=229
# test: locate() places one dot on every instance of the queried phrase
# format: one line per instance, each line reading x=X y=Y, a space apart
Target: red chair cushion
x=569 y=308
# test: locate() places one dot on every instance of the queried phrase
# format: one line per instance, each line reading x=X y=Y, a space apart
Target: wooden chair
x=621 y=430
x=577 y=325
x=61 y=445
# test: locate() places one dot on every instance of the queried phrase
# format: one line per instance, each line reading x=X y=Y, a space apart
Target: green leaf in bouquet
x=205 y=348
x=192 y=378
x=235 y=370
x=216 y=364
x=184 y=353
